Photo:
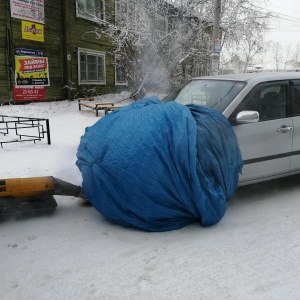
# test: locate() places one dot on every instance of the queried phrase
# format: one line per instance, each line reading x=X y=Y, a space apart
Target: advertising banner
x=31 y=10
x=29 y=93
x=31 y=71
x=32 y=31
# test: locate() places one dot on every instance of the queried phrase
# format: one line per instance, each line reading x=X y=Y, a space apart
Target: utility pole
x=216 y=42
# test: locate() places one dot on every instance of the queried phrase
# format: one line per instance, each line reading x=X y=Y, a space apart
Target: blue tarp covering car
x=160 y=166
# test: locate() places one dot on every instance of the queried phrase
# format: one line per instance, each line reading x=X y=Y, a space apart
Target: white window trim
x=93 y=82
x=119 y=83
x=91 y=18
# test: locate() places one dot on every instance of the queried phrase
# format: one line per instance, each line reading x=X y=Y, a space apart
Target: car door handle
x=285 y=128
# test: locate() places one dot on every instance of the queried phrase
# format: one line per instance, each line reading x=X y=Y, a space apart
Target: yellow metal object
x=27 y=187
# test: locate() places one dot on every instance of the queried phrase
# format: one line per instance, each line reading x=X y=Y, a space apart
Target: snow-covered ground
x=252 y=253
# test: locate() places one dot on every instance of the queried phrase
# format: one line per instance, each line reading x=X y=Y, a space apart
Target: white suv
x=264 y=110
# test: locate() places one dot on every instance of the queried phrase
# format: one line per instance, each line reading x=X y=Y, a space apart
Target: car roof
x=256 y=77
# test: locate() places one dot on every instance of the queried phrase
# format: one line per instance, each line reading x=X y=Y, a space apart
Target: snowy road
x=253 y=253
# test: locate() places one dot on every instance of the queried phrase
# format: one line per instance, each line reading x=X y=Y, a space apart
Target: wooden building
x=65 y=59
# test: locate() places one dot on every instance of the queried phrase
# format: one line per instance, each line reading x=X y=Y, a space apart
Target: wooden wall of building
x=63 y=34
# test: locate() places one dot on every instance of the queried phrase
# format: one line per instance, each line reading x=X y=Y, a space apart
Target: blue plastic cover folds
x=160 y=166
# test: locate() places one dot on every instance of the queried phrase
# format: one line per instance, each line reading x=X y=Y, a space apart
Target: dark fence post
x=48 y=132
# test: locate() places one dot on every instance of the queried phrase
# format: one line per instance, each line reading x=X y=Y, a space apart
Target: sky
x=284 y=29
x=287 y=30
x=75 y=253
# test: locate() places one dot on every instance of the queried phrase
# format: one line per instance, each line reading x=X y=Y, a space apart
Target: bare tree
x=243 y=25
x=161 y=44
x=296 y=56
x=277 y=55
x=287 y=58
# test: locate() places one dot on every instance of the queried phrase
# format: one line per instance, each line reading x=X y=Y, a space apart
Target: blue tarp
x=160 y=166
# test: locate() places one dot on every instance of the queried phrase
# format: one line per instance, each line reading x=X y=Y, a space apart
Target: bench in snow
x=94 y=106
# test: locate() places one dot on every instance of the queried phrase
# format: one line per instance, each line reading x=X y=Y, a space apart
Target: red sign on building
x=29 y=93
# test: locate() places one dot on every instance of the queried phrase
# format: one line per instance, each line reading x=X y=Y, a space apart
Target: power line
x=279 y=15
x=280 y=7
x=287 y=20
x=291 y=18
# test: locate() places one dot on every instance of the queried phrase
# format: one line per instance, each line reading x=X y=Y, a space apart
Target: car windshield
x=216 y=94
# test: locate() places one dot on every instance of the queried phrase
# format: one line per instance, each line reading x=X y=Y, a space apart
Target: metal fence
x=22 y=129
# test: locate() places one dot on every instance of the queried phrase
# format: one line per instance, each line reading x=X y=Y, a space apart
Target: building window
x=91 y=9
x=91 y=67
x=120 y=77
x=121 y=11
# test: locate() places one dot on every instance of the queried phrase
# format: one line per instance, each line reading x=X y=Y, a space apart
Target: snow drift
x=160 y=166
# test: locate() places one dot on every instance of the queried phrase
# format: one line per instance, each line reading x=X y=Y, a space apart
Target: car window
x=215 y=94
x=269 y=100
x=296 y=100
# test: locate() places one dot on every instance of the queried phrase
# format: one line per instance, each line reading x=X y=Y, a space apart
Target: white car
x=264 y=110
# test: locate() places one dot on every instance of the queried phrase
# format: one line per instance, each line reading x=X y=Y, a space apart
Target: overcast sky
x=288 y=29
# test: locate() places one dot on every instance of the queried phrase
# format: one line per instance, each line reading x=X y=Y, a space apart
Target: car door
x=295 y=111
x=265 y=145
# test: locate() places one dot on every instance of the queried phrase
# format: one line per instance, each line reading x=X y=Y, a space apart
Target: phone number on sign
x=30 y=92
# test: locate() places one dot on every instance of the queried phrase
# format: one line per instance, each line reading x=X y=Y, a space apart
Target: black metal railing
x=24 y=129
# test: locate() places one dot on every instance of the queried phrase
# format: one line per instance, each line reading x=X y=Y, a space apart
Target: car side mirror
x=247 y=116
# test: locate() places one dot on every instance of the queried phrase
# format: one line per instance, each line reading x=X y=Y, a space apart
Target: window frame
x=90 y=18
x=120 y=22
x=254 y=91
x=117 y=83
x=91 y=52
x=294 y=84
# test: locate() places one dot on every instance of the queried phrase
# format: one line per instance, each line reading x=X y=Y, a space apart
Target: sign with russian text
x=31 y=10
x=29 y=93
x=31 y=71
x=32 y=31
x=28 y=52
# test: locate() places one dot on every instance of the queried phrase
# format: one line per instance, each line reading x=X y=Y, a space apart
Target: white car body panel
x=295 y=158
x=259 y=140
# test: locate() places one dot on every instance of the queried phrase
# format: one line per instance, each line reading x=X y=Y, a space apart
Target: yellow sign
x=32 y=31
x=31 y=71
